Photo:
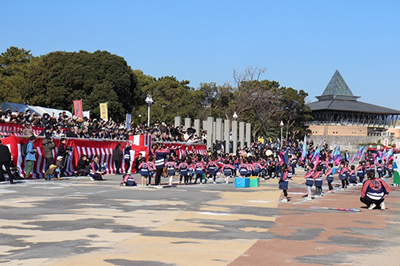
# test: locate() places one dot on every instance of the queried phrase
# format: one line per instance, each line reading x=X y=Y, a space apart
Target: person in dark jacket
x=83 y=166
x=63 y=152
x=138 y=161
x=48 y=147
x=117 y=158
x=127 y=158
x=161 y=154
x=5 y=159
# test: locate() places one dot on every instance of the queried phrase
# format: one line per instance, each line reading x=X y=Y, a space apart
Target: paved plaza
x=77 y=221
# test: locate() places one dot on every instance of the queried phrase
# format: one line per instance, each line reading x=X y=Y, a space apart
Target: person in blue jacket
x=30 y=156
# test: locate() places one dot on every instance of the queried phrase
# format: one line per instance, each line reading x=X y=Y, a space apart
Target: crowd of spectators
x=73 y=127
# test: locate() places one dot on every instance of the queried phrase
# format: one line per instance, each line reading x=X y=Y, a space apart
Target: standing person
x=117 y=158
x=343 y=174
x=212 y=168
x=199 y=170
x=63 y=152
x=152 y=168
x=360 y=171
x=374 y=191
x=183 y=171
x=160 y=154
x=329 y=177
x=277 y=167
x=389 y=168
x=379 y=169
x=144 y=170
x=226 y=169
x=48 y=147
x=284 y=182
x=367 y=167
x=353 y=176
x=270 y=167
x=5 y=160
x=309 y=179
x=30 y=156
x=346 y=156
x=318 y=181
x=138 y=161
x=127 y=158
x=171 y=167
x=59 y=165
x=294 y=163
x=372 y=166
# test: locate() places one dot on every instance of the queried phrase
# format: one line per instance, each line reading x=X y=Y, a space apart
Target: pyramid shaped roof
x=337 y=89
x=337 y=96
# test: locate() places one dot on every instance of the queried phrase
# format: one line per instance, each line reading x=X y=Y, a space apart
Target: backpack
x=24 y=149
x=145 y=170
x=243 y=170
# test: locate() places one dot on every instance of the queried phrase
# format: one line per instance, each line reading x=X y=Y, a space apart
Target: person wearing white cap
x=59 y=165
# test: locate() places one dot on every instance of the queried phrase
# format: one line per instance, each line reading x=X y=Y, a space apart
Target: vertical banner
x=78 y=109
x=104 y=111
x=128 y=121
x=396 y=170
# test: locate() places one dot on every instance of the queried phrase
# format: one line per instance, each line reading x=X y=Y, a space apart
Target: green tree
x=14 y=67
x=58 y=78
x=171 y=98
x=216 y=101
x=264 y=104
x=294 y=111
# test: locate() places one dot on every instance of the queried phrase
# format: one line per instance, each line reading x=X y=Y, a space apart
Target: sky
x=300 y=43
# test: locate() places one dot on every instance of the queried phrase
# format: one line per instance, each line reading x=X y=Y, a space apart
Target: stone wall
x=337 y=130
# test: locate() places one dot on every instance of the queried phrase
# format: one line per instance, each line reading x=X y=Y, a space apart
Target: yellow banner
x=104 y=111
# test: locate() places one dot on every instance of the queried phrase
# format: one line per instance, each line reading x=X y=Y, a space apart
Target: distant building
x=339 y=113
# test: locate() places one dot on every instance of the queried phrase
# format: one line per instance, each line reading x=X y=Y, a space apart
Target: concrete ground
x=77 y=221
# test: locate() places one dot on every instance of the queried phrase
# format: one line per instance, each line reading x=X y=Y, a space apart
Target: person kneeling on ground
x=59 y=165
x=50 y=173
x=95 y=170
x=129 y=181
x=374 y=192
x=83 y=166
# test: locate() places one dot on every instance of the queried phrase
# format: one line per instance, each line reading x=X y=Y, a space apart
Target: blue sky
x=300 y=43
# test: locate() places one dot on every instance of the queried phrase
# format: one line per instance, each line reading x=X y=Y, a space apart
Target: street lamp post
x=281 y=124
x=149 y=101
x=140 y=119
x=234 y=133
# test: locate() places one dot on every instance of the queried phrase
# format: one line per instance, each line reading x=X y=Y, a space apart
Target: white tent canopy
x=37 y=109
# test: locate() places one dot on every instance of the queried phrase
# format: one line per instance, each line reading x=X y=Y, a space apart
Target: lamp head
x=149 y=99
x=235 y=116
